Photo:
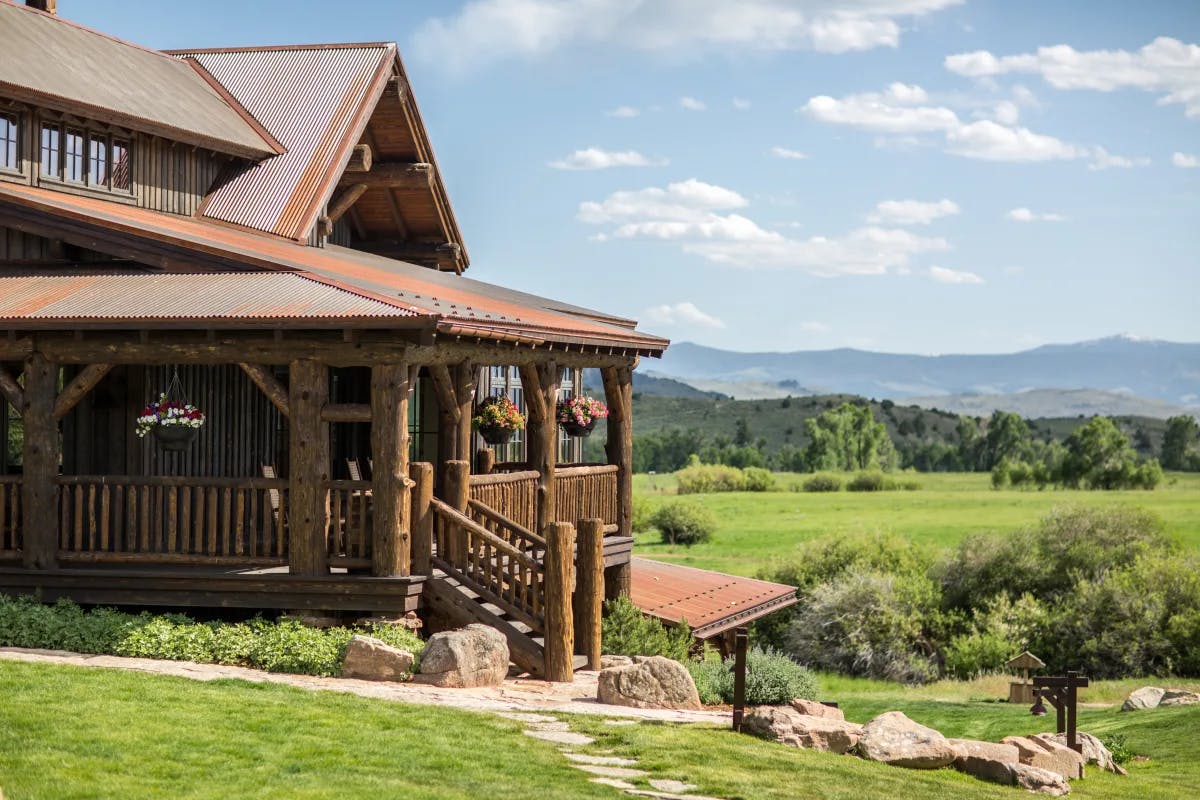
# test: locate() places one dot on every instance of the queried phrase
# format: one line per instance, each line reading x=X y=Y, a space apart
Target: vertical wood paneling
x=172 y=177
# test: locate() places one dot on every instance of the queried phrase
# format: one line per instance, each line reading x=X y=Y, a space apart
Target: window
x=91 y=158
x=9 y=137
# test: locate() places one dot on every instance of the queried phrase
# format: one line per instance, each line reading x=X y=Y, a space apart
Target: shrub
x=643 y=515
x=771 y=679
x=757 y=479
x=685 y=523
x=626 y=631
x=1118 y=746
x=707 y=478
x=867 y=482
x=823 y=482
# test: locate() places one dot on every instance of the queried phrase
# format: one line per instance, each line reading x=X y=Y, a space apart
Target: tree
x=1007 y=438
x=848 y=438
x=1181 y=444
x=741 y=432
x=1099 y=456
x=970 y=443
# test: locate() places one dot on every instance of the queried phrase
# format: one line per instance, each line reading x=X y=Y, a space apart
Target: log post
x=589 y=589
x=443 y=387
x=560 y=626
x=540 y=382
x=421 y=517
x=618 y=393
x=308 y=497
x=485 y=461
x=458 y=493
x=40 y=457
x=391 y=547
x=466 y=378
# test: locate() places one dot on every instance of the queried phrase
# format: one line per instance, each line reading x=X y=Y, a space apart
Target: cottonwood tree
x=1181 y=444
x=848 y=438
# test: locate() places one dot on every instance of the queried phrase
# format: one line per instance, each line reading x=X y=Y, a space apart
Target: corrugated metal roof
x=62 y=65
x=422 y=291
x=710 y=602
x=309 y=98
x=139 y=295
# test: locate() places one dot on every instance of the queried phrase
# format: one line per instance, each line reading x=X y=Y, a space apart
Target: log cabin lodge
x=266 y=231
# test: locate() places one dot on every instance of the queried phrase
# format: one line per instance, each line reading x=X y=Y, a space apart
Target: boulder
x=1094 y=751
x=1047 y=754
x=814 y=709
x=893 y=738
x=986 y=761
x=476 y=655
x=1179 y=697
x=370 y=659
x=1040 y=781
x=788 y=726
x=656 y=682
x=1141 y=699
x=608 y=662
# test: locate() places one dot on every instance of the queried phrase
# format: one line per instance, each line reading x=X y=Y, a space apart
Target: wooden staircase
x=489 y=569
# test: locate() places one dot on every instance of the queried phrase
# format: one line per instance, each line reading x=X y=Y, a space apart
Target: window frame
x=93 y=141
x=15 y=126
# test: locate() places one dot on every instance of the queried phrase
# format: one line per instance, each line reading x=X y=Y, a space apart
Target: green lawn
x=755 y=528
x=69 y=732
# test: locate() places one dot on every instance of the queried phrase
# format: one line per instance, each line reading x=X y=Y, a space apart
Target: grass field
x=68 y=732
x=756 y=528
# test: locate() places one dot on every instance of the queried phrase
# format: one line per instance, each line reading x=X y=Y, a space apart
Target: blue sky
x=902 y=175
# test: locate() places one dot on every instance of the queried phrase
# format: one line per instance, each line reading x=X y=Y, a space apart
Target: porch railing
x=350 y=521
x=588 y=492
x=183 y=520
x=513 y=494
x=10 y=516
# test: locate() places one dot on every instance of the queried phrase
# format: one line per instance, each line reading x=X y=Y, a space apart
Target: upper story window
x=10 y=151
x=89 y=158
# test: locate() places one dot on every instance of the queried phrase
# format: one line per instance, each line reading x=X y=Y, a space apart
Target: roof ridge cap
x=266 y=48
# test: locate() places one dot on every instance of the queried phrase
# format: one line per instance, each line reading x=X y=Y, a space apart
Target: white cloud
x=944 y=275
x=692 y=104
x=787 y=153
x=1185 y=160
x=704 y=219
x=1006 y=112
x=741 y=104
x=1025 y=215
x=1166 y=66
x=912 y=212
x=484 y=31
x=893 y=112
x=812 y=326
x=683 y=313
x=1102 y=159
x=623 y=112
x=595 y=158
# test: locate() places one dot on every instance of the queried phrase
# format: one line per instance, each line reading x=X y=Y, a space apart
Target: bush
x=867 y=482
x=685 y=523
x=626 y=631
x=757 y=479
x=284 y=646
x=643 y=515
x=771 y=679
x=1118 y=745
x=823 y=482
x=707 y=478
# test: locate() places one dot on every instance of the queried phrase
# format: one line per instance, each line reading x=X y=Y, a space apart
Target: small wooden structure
x=1063 y=693
x=292 y=252
x=1021 y=690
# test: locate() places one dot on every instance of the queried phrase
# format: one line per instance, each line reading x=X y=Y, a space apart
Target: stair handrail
x=515 y=529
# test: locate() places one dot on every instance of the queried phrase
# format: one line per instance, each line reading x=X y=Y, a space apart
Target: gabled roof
x=451 y=304
x=315 y=100
x=60 y=65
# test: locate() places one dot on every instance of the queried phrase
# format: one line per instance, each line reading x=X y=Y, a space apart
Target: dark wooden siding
x=173 y=177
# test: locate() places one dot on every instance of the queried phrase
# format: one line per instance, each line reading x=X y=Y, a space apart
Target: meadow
x=757 y=528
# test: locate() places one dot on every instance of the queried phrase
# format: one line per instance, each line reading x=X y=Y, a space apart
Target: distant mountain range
x=1124 y=375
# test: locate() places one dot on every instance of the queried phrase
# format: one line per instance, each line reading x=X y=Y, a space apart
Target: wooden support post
x=421 y=517
x=308 y=472
x=741 y=639
x=560 y=625
x=78 y=388
x=618 y=393
x=485 y=461
x=540 y=382
x=589 y=589
x=39 y=489
x=457 y=494
x=265 y=380
x=466 y=377
x=391 y=547
x=11 y=389
x=443 y=388
x=618 y=581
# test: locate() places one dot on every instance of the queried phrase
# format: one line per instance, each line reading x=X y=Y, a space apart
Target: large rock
x=373 y=660
x=788 y=726
x=1038 y=780
x=893 y=738
x=986 y=761
x=1093 y=750
x=1048 y=754
x=814 y=709
x=655 y=682
x=476 y=655
x=1141 y=699
x=1179 y=697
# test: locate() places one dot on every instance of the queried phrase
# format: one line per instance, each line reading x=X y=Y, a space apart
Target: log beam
x=269 y=385
x=444 y=254
x=308 y=499
x=353 y=412
x=40 y=457
x=78 y=388
x=394 y=175
x=360 y=159
x=345 y=198
x=11 y=389
x=559 y=583
x=391 y=550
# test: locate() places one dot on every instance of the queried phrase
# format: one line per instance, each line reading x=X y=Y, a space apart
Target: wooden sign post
x=1063 y=694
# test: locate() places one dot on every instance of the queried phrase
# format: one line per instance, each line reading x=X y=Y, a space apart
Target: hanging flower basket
x=497 y=418
x=578 y=415
x=173 y=423
x=174 y=438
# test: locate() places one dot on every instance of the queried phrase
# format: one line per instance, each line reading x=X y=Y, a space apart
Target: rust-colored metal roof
x=459 y=305
x=710 y=602
x=50 y=61
x=313 y=99
x=106 y=295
